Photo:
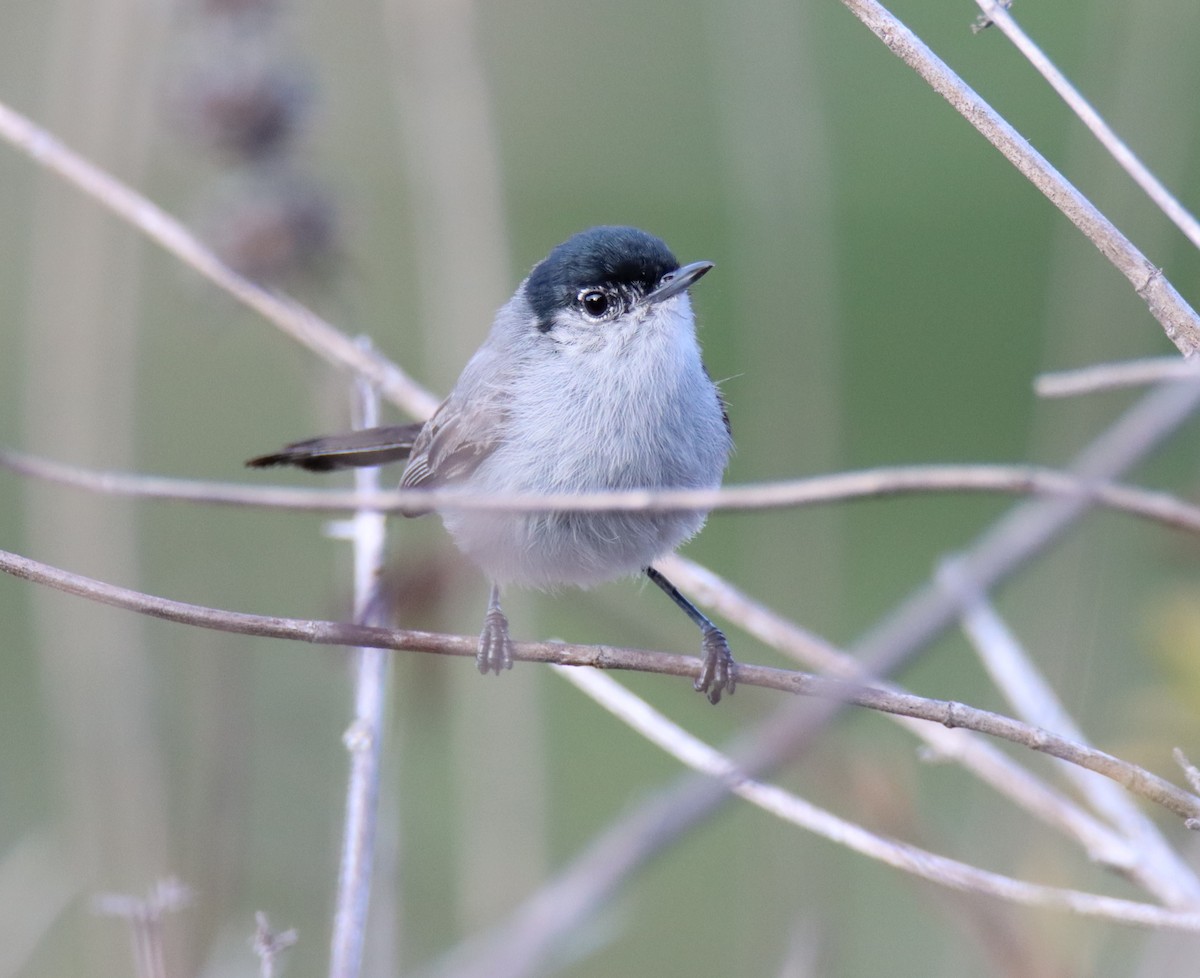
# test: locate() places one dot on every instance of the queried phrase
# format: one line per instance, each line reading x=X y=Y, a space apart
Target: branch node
x=1152 y=279
x=952 y=718
x=269 y=946
x=357 y=739
x=984 y=20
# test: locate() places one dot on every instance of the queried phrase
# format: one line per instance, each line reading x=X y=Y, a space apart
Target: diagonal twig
x=1166 y=305
x=1022 y=684
x=997 y=14
x=291 y=317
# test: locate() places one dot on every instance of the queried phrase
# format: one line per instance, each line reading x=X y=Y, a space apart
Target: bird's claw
x=495 y=647
x=718 y=674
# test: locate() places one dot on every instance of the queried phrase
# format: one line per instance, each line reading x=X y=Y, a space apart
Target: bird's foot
x=495 y=647
x=719 y=672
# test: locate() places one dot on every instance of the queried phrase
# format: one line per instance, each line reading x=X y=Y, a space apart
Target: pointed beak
x=677 y=281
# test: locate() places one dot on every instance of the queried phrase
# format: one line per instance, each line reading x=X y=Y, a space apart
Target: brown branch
x=1159 y=507
x=946 y=712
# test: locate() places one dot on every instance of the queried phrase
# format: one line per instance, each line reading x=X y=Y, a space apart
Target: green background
x=887 y=287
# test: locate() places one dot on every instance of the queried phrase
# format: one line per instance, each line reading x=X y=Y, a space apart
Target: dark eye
x=595 y=302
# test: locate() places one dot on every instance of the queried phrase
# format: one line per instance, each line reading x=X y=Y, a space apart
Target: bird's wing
x=453 y=443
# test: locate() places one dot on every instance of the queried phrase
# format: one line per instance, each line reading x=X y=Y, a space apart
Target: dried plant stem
x=364 y=738
x=1159 y=507
x=997 y=14
x=1112 y=376
x=1166 y=305
x=947 y=713
x=1018 y=678
x=269 y=946
x=646 y=720
x=145 y=916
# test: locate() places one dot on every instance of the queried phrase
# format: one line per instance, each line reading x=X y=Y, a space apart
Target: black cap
x=620 y=257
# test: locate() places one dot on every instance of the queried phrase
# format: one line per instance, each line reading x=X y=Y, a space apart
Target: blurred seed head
x=273 y=226
x=246 y=111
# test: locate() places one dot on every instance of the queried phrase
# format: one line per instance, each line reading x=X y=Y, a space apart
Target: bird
x=590 y=379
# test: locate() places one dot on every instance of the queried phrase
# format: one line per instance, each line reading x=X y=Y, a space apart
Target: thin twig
x=295 y=320
x=1159 y=868
x=1111 y=376
x=998 y=15
x=269 y=946
x=1190 y=771
x=145 y=917
x=699 y=756
x=1160 y=507
x=364 y=738
x=945 y=712
x=1166 y=305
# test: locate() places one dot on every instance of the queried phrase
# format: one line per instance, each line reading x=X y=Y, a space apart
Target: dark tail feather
x=370 y=446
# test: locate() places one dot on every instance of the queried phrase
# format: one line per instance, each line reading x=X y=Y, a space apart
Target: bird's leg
x=719 y=672
x=495 y=647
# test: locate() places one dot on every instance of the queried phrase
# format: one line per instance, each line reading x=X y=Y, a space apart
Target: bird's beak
x=677 y=281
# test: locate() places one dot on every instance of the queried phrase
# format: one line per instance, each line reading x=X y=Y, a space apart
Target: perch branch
x=945 y=712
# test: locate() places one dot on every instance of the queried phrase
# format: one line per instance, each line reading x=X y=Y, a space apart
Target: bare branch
x=946 y=712
x=364 y=739
x=1166 y=305
x=301 y=324
x=1148 y=504
x=997 y=14
x=650 y=723
x=1110 y=376
x=269 y=946
x=1190 y=771
x=145 y=918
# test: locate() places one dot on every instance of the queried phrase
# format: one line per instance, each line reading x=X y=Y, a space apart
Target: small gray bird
x=590 y=380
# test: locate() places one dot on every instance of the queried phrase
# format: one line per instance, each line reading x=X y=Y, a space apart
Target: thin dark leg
x=718 y=674
x=495 y=646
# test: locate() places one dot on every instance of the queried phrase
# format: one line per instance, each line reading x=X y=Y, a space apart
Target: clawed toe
x=719 y=672
x=495 y=647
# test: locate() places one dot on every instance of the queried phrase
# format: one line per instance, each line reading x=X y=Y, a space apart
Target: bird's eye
x=595 y=303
